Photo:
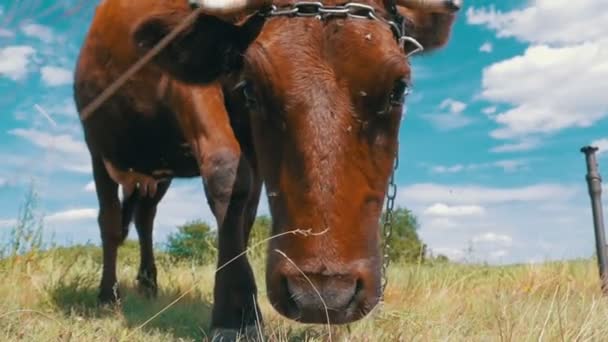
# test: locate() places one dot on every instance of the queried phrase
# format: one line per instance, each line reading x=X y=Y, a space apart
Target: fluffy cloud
x=62 y=151
x=507 y=165
x=7 y=223
x=440 y=209
x=501 y=224
x=525 y=144
x=602 y=145
x=462 y=194
x=14 y=61
x=55 y=76
x=493 y=238
x=570 y=93
x=547 y=21
x=4 y=33
x=486 y=47
x=568 y=48
x=452 y=116
x=90 y=187
x=72 y=215
x=63 y=143
x=41 y=32
x=489 y=110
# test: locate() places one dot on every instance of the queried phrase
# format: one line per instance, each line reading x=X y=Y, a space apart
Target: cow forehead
x=308 y=44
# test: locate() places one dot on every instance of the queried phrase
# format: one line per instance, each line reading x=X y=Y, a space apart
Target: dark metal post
x=594 y=182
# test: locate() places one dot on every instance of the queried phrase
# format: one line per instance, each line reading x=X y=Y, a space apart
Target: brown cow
x=308 y=105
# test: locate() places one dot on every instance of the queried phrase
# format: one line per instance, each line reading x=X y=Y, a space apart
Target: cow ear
x=431 y=30
x=207 y=49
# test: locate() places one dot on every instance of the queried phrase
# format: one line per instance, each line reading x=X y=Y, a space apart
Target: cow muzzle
x=320 y=296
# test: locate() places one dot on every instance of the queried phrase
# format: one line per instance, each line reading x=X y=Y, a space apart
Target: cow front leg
x=109 y=220
x=230 y=186
x=145 y=212
x=232 y=190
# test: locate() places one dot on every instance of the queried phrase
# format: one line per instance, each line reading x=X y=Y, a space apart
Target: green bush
x=405 y=244
x=193 y=241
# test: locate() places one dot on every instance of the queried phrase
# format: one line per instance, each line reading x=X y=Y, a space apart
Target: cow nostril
x=292 y=305
x=334 y=293
x=358 y=288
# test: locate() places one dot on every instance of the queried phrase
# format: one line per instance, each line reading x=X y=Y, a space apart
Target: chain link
x=321 y=11
x=387 y=224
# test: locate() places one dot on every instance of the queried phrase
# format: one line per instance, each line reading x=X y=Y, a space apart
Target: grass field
x=50 y=296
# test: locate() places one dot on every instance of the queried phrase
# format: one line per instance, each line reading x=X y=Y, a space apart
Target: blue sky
x=490 y=159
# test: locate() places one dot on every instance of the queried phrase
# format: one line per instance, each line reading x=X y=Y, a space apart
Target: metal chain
x=387 y=224
x=321 y=11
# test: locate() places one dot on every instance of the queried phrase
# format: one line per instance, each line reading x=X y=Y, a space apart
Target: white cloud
x=499 y=254
x=7 y=223
x=14 y=61
x=441 y=223
x=602 y=145
x=56 y=76
x=462 y=194
x=72 y=215
x=547 y=21
x=440 y=209
x=447 y=169
x=489 y=110
x=38 y=31
x=492 y=237
x=516 y=223
x=510 y=165
x=455 y=107
x=62 y=143
x=62 y=151
x=453 y=118
x=90 y=187
x=486 y=47
x=570 y=93
x=507 y=165
x=4 y=33
x=568 y=48
x=522 y=145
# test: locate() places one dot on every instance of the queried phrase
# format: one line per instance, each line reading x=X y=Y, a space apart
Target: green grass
x=51 y=296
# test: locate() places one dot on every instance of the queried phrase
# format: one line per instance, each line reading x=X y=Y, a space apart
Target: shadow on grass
x=189 y=318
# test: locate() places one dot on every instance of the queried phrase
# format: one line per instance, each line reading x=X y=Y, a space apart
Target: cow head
x=325 y=98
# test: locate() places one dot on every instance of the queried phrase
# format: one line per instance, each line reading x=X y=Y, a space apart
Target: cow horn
x=228 y=7
x=438 y=6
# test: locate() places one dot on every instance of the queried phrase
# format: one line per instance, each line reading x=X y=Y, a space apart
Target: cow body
x=311 y=108
x=153 y=129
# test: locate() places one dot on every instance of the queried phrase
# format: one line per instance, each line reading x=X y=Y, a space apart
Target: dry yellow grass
x=50 y=296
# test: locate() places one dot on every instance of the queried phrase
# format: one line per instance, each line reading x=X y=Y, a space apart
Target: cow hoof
x=250 y=333
x=147 y=287
x=108 y=298
x=147 y=290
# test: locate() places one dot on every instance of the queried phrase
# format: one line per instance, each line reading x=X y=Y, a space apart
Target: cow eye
x=248 y=92
x=401 y=89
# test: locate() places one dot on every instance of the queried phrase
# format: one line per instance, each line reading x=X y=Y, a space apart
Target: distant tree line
x=196 y=240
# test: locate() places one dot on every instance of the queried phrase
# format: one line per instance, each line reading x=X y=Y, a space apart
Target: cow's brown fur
x=312 y=134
